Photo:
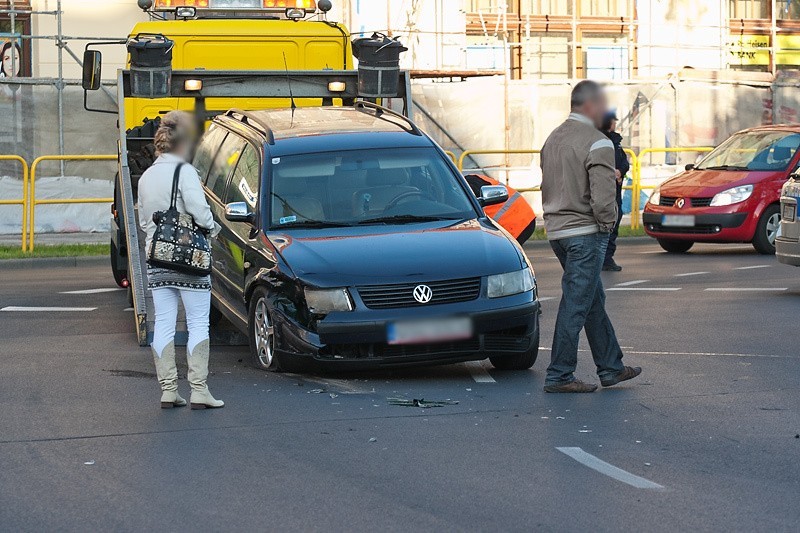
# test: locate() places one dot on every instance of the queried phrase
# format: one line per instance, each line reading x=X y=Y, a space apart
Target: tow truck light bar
x=295 y=6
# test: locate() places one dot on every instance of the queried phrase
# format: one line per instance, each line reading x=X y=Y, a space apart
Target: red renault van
x=732 y=195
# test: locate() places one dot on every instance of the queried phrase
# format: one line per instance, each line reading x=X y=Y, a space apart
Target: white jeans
x=197 y=305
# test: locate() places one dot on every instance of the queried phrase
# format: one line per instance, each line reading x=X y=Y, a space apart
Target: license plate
x=789 y=212
x=424 y=331
x=678 y=221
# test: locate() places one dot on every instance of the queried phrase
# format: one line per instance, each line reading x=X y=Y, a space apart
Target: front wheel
x=262 y=333
x=767 y=231
x=675 y=247
x=523 y=361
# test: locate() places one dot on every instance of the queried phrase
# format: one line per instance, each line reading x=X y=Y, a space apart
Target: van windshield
x=363 y=187
x=758 y=150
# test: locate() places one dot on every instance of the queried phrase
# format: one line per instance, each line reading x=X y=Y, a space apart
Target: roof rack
x=380 y=110
x=254 y=122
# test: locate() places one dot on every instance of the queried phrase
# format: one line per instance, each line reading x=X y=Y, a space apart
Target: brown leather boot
x=576 y=386
x=629 y=372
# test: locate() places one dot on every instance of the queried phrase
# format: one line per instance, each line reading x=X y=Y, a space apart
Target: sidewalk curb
x=53 y=262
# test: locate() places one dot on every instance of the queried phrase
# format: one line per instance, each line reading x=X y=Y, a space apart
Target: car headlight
x=511 y=283
x=733 y=196
x=324 y=301
x=655 y=198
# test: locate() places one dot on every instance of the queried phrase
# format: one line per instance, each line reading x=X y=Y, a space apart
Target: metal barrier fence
x=20 y=201
x=59 y=201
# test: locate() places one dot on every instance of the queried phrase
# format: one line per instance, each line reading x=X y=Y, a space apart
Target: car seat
x=291 y=198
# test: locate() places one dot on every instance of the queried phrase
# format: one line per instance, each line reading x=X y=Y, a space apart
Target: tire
x=214 y=316
x=523 y=361
x=675 y=247
x=261 y=331
x=767 y=230
x=120 y=276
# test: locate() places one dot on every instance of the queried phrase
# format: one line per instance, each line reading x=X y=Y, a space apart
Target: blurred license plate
x=789 y=212
x=434 y=330
x=678 y=221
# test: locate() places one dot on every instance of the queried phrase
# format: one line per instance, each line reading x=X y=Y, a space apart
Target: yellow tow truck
x=208 y=57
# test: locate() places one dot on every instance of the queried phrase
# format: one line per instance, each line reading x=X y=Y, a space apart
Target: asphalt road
x=707 y=439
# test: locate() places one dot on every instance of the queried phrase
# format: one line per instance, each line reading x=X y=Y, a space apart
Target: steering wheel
x=396 y=200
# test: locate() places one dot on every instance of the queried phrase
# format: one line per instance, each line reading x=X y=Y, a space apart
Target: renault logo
x=423 y=294
x=680 y=202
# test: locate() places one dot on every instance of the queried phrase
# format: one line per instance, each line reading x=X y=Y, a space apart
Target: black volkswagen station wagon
x=351 y=240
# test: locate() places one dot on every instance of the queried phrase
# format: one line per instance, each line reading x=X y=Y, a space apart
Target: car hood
x=710 y=181
x=368 y=255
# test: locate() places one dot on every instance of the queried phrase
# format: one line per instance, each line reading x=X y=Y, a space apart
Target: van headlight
x=511 y=283
x=655 y=198
x=732 y=196
x=324 y=301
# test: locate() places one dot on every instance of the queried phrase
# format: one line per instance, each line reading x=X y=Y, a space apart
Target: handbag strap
x=173 y=204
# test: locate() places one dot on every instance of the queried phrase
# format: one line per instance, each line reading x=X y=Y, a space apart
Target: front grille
x=668 y=201
x=406 y=350
x=402 y=295
x=701 y=202
x=700 y=229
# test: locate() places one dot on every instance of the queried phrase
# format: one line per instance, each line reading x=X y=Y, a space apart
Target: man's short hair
x=585 y=91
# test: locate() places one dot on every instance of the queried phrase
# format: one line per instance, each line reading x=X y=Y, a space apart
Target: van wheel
x=523 y=361
x=767 y=231
x=675 y=247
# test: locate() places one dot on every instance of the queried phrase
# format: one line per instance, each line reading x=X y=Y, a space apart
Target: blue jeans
x=582 y=307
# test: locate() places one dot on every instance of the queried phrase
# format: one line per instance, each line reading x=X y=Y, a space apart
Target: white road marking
x=129 y=309
x=547 y=298
x=479 y=373
x=752 y=267
x=654 y=289
x=608 y=469
x=746 y=289
x=47 y=309
x=93 y=291
x=651 y=252
x=699 y=354
x=634 y=282
x=691 y=274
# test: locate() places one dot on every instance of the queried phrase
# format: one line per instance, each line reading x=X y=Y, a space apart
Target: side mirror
x=239 y=212
x=690 y=166
x=493 y=195
x=92 y=70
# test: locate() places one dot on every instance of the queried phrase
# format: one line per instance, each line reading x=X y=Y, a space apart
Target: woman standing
x=174 y=142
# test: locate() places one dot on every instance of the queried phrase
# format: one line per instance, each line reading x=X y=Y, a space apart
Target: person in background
x=622 y=166
x=174 y=142
x=515 y=215
x=580 y=211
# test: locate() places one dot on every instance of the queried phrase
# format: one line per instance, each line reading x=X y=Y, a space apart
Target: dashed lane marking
x=17 y=309
x=93 y=291
x=753 y=267
x=687 y=274
x=479 y=372
x=634 y=282
x=746 y=289
x=651 y=289
x=547 y=298
x=608 y=469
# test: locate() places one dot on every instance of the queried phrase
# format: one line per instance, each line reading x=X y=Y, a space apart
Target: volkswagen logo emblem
x=680 y=202
x=423 y=294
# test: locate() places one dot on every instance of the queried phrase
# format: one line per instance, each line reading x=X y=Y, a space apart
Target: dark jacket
x=620 y=157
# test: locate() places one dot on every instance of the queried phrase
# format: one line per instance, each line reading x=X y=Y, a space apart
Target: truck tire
x=120 y=275
x=767 y=230
x=675 y=247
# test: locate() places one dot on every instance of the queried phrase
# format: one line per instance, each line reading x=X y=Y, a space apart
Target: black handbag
x=178 y=244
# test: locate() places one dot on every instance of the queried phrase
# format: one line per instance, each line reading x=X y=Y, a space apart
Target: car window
x=207 y=150
x=401 y=185
x=243 y=186
x=756 y=150
x=223 y=163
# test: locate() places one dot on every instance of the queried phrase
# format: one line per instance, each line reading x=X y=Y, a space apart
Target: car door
x=219 y=175
x=242 y=187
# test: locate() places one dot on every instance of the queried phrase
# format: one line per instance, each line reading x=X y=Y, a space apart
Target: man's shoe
x=629 y=372
x=612 y=267
x=576 y=386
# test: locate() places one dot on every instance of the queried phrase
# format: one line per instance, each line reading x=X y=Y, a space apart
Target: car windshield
x=761 y=150
x=379 y=186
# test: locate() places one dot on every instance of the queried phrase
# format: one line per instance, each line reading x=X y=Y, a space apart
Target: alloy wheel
x=264 y=335
x=773 y=227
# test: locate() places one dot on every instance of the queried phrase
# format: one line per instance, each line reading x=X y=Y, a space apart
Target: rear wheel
x=675 y=247
x=523 y=361
x=262 y=333
x=767 y=231
x=120 y=275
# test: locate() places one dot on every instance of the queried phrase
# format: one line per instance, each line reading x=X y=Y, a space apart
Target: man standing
x=623 y=166
x=580 y=211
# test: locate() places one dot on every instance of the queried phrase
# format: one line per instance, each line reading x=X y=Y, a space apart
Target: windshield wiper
x=312 y=224
x=723 y=167
x=400 y=219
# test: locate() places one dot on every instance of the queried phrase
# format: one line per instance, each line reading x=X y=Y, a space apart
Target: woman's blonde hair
x=177 y=128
